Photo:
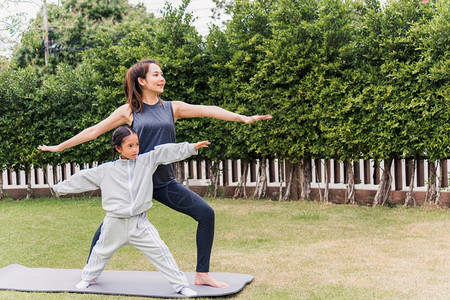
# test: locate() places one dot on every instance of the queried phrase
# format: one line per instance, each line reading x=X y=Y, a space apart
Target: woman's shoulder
x=176 y=104
x=124 y=108
x=167 y=102
x=125 y=112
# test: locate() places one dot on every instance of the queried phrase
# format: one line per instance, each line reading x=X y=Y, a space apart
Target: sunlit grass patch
x=295 y=250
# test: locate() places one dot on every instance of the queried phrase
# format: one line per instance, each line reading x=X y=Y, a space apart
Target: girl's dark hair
x=132 y=88
x=119 y=134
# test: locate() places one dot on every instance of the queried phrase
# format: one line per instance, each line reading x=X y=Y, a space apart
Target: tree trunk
x=241 y=190
x=327 y=183
x=281 y=180
x=50 y=188
x=410 y=196
x=305 y=176
x=350 y=189
x=319 y=189
x=55 y=174
x=2 y=194
x=179 y=172
x=318 y=179
x=385 y=184
x=287 y=194
x=261 y=184
x=28 y=182
x=431 y=186
x=215 y=176
x=439 y=182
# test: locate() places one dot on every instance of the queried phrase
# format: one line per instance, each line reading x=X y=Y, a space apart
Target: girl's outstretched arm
x=185 y=110
x=120 y=116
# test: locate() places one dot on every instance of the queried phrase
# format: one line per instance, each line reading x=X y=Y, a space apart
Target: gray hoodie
x=126 y=185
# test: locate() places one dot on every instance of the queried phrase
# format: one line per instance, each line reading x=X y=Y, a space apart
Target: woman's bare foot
x=206 y=279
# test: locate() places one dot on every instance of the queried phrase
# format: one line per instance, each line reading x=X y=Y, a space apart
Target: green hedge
x=342 y=80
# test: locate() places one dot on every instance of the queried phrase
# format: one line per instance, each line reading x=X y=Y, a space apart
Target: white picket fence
x=197 y=174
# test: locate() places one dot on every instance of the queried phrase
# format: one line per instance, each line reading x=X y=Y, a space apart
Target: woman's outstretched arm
x=185 y=110
x=120 y=116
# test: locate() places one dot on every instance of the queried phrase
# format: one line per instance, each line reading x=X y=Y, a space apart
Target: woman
x=154 y=121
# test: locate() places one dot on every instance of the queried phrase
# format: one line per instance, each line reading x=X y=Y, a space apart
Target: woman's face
x=154 y=80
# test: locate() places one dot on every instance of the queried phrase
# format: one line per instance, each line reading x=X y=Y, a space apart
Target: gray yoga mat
x=130 y=283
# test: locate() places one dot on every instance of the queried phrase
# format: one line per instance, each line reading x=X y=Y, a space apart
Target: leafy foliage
x=78 y=25
x=343 y=80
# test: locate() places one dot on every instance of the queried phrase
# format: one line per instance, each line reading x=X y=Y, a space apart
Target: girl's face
x=154 y=80
x=130 y=147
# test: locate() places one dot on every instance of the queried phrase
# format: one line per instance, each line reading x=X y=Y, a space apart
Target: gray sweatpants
x=140 y=233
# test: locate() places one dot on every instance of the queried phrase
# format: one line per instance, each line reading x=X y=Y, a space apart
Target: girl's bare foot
x=206 y=279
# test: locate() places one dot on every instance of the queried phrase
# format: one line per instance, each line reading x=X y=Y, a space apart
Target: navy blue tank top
x=155 y=126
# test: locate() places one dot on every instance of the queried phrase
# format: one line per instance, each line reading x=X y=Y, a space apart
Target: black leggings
x=182 y=199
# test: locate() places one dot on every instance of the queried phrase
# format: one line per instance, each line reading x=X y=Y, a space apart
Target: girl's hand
x=203 y=144
x=252 y=119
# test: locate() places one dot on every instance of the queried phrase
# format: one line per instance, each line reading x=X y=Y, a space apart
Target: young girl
x=126 y=188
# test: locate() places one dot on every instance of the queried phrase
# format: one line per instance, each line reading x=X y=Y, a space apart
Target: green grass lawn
x=295 y=250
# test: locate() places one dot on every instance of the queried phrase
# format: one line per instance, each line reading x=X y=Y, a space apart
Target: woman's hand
x=49 y=148
x=252 y=119
x=203 y=144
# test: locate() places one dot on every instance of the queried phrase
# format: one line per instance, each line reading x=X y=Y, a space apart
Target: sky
x=28 y=9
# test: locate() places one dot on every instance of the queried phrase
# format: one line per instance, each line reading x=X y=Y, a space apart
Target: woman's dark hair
x=119 y=134
x=132 y=88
